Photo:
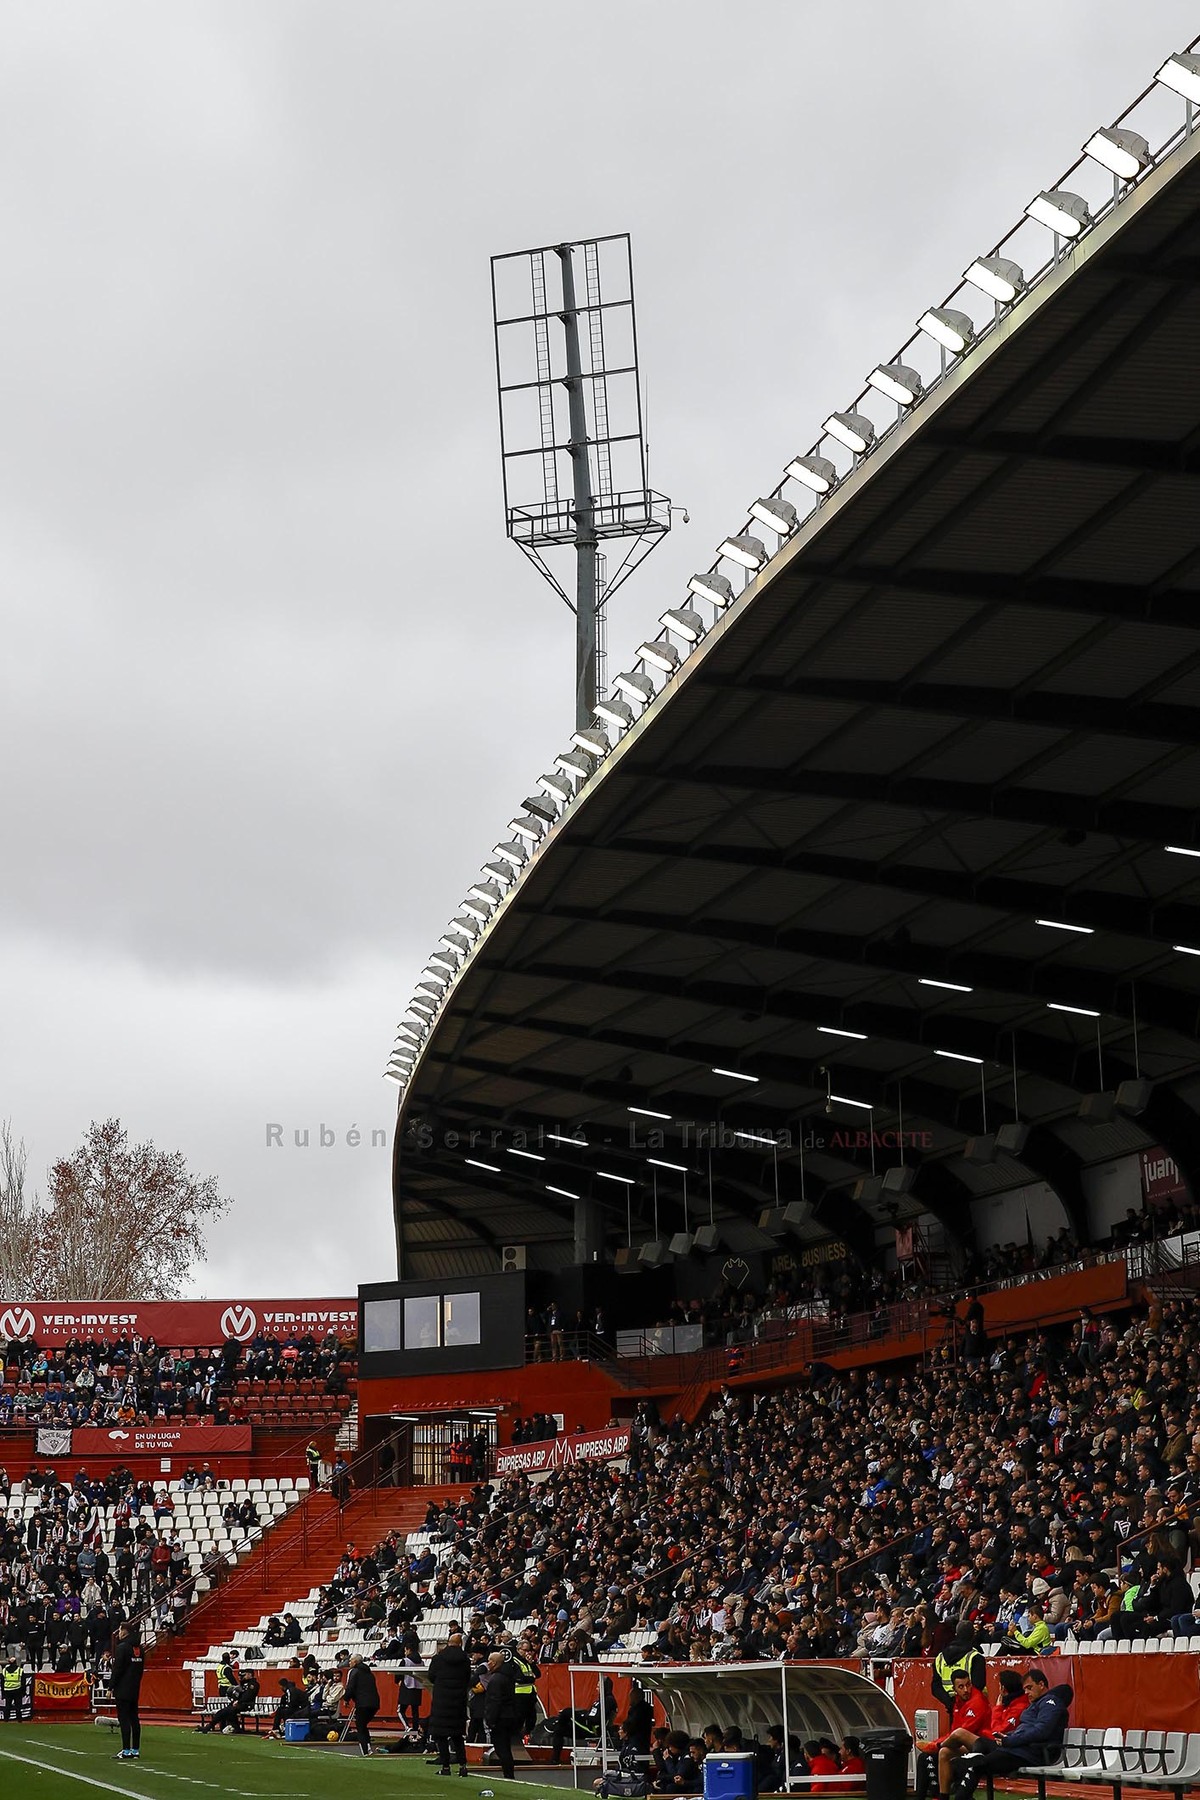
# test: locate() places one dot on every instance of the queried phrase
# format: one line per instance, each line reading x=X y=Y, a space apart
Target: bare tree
x=122 y=1220
x=20 y=1221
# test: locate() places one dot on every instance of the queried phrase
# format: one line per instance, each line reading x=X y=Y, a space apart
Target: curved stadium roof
x=962 y=698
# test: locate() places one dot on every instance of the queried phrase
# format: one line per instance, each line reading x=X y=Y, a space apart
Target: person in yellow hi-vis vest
x=12 y=1687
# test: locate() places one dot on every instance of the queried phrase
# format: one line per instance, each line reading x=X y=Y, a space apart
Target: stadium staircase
x=304 y=1547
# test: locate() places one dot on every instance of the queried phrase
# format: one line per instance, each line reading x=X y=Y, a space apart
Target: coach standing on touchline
x=363 y=1695
x=128 y=1667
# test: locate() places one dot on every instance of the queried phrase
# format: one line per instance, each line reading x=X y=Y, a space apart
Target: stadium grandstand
x=796 y=1167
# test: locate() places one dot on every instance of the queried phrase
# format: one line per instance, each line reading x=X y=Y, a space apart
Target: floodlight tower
x=570 y=405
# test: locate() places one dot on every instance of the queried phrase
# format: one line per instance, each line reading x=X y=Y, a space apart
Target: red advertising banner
x=187 y=1324
x=61 y=1694
x=1161 y=1179
x=559 y=1453
x=159 y=1440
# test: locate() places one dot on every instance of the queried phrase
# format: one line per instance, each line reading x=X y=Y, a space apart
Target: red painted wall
x=581 y=1391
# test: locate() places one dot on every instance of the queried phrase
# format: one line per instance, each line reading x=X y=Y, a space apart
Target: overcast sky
x=255 y=582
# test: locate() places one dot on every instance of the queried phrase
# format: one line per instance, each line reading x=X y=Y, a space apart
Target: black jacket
x=128 y=1667
x=450 y=1676
x=361 y=1690
x=499 y=1697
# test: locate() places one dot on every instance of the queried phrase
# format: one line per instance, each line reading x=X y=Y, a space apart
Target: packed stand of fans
x=135 y=1381
x=872 y=1512
x=79 y=1557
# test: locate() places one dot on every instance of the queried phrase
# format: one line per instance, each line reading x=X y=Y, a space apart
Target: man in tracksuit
x=1035 y=1739
x=125 y=1682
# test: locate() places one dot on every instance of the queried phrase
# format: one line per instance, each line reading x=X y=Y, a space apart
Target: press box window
x=381 y=1325
x=423 y=1322
x=460 y=1314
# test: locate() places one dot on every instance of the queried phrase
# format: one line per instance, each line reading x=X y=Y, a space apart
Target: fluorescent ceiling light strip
x=1185 y=950
x=752 y=1137
x=735 y=1075
x=492 y=1168
x=958 y=1056
x=678 y=1168
x=625 y=1180
x=648 y=1112
x=1061 y=925
x=1180 y=850
x=836 y=1031
x=576 y=1143
x=955 y=987
x=529 y=1155
x=845 y=1100
x=565 y=1192
x=1085 y=1012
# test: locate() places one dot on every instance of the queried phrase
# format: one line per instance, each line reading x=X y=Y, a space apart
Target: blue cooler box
x=295 y=1730
x=729 y=1776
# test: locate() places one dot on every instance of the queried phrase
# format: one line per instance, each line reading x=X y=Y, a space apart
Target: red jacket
x=1005 y=1717
x=972 y=1714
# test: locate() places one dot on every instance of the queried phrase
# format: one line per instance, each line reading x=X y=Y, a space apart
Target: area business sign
x=182 y=1324
x=560 y=1453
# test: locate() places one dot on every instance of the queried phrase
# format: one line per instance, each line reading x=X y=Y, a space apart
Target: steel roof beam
x=1149 y=919
x=1140 y=821
x=1103 y=716
x=1098 y=599
x=1137 y=456
x=1021 y=981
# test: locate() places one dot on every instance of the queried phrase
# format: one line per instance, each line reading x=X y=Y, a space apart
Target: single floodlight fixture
x=750 y=552
x=660 y=656
x=1122 y=152
x=1181 y=73
x=779 y=515
x=592 y=743
x=617 y=713
x=852 y=429
x=1064 y=213
x=556 y=786
x=953 y=330
x=684 y=623
x=638 y=687
x=897 y=382
x=997 y=277
x=542 y=806
x=714 y=587
x=511 y=853
x=816 y=473
x=574 y=762
x=528 y=828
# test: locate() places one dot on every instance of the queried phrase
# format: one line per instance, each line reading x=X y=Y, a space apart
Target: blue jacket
x=1039 y=1731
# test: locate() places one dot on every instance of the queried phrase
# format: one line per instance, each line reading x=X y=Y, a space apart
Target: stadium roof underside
x=964 y=698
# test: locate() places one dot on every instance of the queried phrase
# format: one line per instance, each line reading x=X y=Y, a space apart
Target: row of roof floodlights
x=944 y=335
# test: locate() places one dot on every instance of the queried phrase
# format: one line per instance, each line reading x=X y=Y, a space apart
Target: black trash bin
x=886 y=1755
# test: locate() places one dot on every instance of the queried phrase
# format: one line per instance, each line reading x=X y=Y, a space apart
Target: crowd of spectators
x=68 y=1578
x=133 y=1380
x=1032 y=1488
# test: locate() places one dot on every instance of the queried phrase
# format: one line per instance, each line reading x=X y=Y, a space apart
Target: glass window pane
x=381 y=1325
x=461 y=1313
x=422 y=1323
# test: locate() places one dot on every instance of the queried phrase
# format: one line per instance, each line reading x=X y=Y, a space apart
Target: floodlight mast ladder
x=566 y=344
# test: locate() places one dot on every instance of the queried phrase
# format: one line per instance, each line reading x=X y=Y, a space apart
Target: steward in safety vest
x=526 y=1669
x=12 y=1687
x=960 y=1657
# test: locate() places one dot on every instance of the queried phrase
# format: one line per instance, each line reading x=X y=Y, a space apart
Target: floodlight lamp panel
x=617 y=713
x=556 y=787
x=714 y=587
x=816 y=473
x=542 y=806
x=592 y=743
x=777 y=515
x=574 y=762
x=684 y=623
x=747 y=552
x=659 y=656
x=638 y=687
x=998 y=277
x=1181 y=73
x=1124 y=153
x=529 y=829
x=852 y=429
x=896 y=382
x=953 y=330
x=512 y=853
x=1061 y=212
